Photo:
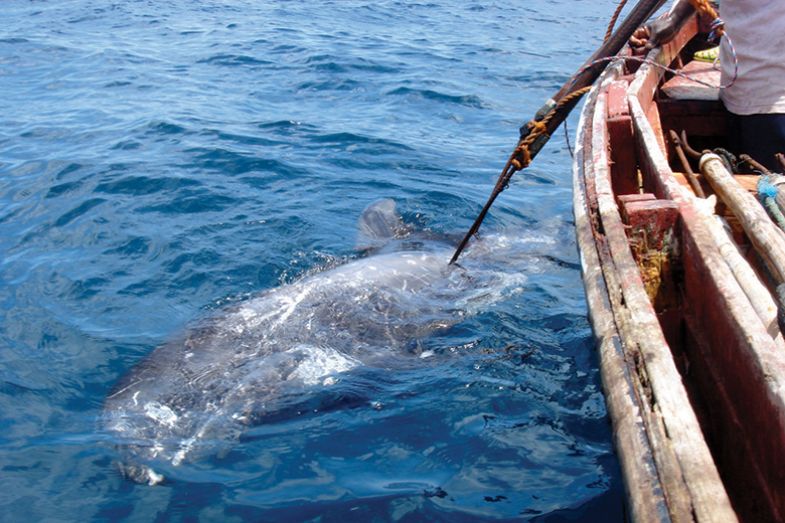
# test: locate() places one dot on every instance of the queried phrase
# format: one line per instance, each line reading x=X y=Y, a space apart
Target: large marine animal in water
x=237 y=367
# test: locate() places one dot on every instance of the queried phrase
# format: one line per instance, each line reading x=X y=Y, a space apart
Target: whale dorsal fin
x=379 y=223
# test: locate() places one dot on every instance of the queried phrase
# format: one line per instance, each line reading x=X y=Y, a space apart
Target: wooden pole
x=759 y=296
x=765 y=236
x=585 y=77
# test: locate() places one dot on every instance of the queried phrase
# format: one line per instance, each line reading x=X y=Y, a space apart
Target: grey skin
x=234 y=369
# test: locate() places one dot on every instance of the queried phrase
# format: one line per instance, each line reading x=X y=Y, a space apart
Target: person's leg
x=759 y=135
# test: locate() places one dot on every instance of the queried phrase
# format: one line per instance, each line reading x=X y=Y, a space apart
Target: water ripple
x=233 y=60
x=230 y=162
x=467 y=100
x=143 y=185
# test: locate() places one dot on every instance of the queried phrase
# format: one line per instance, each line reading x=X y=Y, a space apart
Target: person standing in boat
x=755 y=94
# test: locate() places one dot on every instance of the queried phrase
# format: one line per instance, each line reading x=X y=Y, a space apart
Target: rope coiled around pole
x=521 y=157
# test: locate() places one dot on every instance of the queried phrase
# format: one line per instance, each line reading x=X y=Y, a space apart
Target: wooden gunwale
x=642 y=485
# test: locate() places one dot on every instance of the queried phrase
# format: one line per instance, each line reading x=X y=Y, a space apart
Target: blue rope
x=767 y=194
x=715 y=25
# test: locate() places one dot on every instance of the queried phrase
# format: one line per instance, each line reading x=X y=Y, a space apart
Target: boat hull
x=693 y=380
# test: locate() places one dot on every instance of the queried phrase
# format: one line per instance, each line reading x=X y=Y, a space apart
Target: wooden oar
x=555 y=110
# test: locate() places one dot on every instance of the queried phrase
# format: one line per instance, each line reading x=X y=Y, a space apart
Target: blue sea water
x=161 y=160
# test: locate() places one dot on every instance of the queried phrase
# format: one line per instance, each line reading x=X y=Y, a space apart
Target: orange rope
x=703 y=7
x=613 y=20
x=521 y=156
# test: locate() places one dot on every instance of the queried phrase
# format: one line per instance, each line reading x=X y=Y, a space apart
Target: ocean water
x=161 y=161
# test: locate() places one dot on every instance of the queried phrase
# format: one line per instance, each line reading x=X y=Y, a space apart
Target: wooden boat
x=691 y=355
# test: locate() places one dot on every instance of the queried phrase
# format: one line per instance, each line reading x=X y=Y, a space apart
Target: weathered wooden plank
x=623 y=162
x=681 y=88
x=642 y=485
x=651 y=230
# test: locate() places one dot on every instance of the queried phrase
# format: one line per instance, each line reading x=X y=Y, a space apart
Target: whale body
x=231 y=370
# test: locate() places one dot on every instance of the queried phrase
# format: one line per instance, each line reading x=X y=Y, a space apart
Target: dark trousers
x=759 y=135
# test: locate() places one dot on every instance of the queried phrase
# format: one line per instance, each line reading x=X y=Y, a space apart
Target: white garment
x=757 y=30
